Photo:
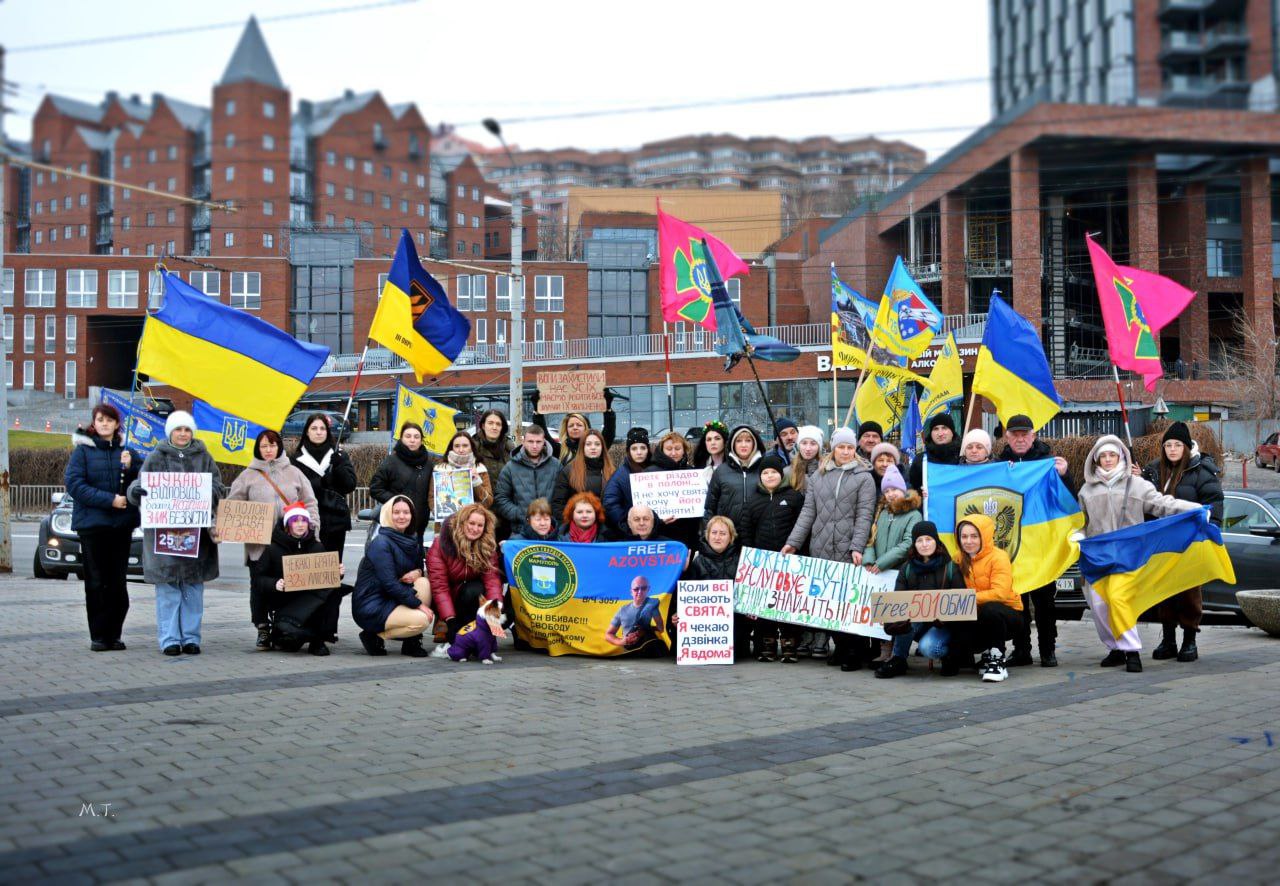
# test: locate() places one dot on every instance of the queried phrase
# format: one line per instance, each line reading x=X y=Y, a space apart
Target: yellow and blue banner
x=1032 y=509
x=225 y=356
x=436 y=419
x=141 y=430
x=593 y=599
x=228 y=437
x=882 y=397
x=946 y=380
x=415 y=319
x=906 y=321
x=1012 y=371
x=1135 y=568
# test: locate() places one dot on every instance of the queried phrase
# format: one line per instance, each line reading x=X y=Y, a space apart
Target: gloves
x=142 y=490
x=534 y=398
x=451 y=627
x=608 y=399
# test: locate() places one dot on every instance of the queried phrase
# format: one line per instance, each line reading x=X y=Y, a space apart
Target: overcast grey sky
x=461 y=62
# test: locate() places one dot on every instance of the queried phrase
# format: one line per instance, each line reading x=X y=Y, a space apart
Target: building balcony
x=1192 y=90
x=105 y=207
x=925 y=271
x=201 y=158
x=1172 y=10
x=299 y=161
x=998 y=267
x=301 y=194
x=104 y=236
x=201 y=220
x=200 y=190
x=1225 y=36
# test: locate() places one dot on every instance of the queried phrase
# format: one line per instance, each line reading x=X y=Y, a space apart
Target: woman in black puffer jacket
x=715 y=560
x=332 y=478
x=407 y=471
x=1183 y=472
x=766 y=525
x=736 y=482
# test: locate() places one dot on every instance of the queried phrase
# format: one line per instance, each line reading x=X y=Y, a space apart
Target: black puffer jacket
x=946 y=454
x=332 y=478
x=937 y=573
x=94 y=477
x=769 y=518
x=593 y=483
x=1199 y=483
x=396 y=476
x=1039 y=451
x=707 y=565
x=734 y=484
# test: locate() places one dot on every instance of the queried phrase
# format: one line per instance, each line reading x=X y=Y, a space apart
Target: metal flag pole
x=666 y=359
x=1124 y=410
x=346 y=413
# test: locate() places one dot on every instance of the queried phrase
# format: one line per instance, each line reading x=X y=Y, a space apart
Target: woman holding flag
x=1113 y=498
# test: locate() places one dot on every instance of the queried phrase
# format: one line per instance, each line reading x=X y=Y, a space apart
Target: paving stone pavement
x=269 y=767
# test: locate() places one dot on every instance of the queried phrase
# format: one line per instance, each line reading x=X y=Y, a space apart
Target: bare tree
x=1253 y=371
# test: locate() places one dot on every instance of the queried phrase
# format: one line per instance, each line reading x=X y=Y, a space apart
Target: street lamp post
x=515 y=293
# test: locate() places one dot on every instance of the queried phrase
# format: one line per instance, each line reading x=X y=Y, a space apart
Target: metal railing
x=32 y=499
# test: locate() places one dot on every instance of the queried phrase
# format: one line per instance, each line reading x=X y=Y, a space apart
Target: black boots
x=413 y=648
x=1114 y=659
x=1168 y=647
x=1188 y=652
x=372 y=643
x=1020 y=658
x=264 y=637
x=1133 y=662
x=767 y=649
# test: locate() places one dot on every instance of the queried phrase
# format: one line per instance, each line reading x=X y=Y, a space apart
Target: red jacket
x=448 y=572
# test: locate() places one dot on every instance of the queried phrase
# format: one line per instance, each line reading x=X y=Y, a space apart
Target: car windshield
x=1272 y=498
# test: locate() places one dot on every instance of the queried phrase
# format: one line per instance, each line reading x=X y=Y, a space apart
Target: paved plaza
x=274 y=767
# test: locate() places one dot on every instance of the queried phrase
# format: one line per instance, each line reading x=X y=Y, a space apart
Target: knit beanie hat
x=638 y=435
x=843 y=435
x=883 y=448
x=1178 y=431
x=925 y=527
x=782 y=424
x=775 y=462
x=869 y=426
x=976 y=435
x=294 y=510
x=811 y=432
x=942 y=418
x=179 y=418
x=892 y=479
x=1108 y=447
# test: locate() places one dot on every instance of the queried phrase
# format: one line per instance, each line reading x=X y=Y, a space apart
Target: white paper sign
x=670 y=493
x=704 y=622
x=176 y=500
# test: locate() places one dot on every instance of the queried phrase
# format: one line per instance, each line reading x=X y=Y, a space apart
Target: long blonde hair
x=568 y=453
x=478 y=554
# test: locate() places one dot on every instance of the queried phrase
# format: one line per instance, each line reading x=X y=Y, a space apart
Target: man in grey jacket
x=530 y=474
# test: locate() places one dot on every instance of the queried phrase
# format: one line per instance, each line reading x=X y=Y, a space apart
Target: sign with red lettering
x=826 y=595
x=576 y=390
x=176 y=500
x=704 y=622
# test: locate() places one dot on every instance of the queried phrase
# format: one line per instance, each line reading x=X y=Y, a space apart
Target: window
x=50 y=334
x=557 y=338
x=229 y=140
x=268 y=241
x=500 y=336
x=122 y=289
x=170 y=216
x=171 y=185
x=151 y=219
x=171 y=247
x=479 y=292
x=268 y=208
x=349 y=193
x=462 y=248
x=349 y=163
x=382 y=282
x=50 y=375
x=475 y=248
x=548 y=293
x=386 y=172
x=82 y=289
x=462 y=293
x=151 y=155
x=367 y=166
x=68 y=232
x=84 y=199
x=69 y=379
x=230 y=108
x=70 y=334
x=734 y=287
x=422 y=210
x=126 y=223
x=269 y=109
x=404 y=176
x=151 y=249
x=462 y=192
x=1223 y=258
x=330 y=158
x=231 y=173
x=475 y=221
x=502 y=288
x=539 y=338
x=41 y=289
x=126 y=161
x=328 y=219
x=366 y=197
x=246 y=290
x=461 y=219
x=1239 y=515
x=53 y=235
x=29 y=374
x=84 y=230
x=8 y=333
x=208 y=282
x=6 y=288
x=268 y=175
x=171 y=152
x=386 y=201
x=482 y=330
x=420 y=179
x=268 y=142
x=330 y=189
x=475 y=194
x=126 y=194
x=8 y=373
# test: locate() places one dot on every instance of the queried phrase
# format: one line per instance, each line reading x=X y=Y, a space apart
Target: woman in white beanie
x=179 y=579
x=808 y=455
x=975 y=448
x=1113 y=498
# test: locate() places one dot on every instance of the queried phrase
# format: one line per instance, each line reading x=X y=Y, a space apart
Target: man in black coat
x=941 y=447
x=1022 y=444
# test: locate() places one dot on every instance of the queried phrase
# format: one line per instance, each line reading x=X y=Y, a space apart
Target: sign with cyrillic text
x=577 y=390
x=670 y=493
x=948 y=605
x=176 y=500
x=309 y=572
x=704 y=622
x=825 y=595
x=246 y=521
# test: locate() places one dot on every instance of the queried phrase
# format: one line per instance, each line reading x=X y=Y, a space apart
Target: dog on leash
x=479 y=639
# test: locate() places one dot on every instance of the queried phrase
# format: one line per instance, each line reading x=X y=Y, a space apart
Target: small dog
x=480 y=637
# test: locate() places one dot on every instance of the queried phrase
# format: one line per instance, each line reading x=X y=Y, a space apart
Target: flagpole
x=968 y=416
x=835 y=393
x=1124 y=410
x=856 y=388
x=346 y=413
x=666 y=359
x=760 y=385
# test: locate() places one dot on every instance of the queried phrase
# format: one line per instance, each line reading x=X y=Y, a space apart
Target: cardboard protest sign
x=246 y=521
x=946 y=605
x=593 y=599
x=670 y=493
x=577 y=390
x=704 y=622
x=453 y=491
x=177 y=543
x=309 y=572
x=819 y=594
x=176 y=499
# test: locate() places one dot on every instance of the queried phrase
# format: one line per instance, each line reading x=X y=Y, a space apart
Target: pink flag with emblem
x=682 y=270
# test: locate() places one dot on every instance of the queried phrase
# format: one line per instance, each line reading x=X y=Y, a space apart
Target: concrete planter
x=1262 y=608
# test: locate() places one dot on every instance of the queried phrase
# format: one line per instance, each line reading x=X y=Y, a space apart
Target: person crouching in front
x=296 y=616
x=391 y=596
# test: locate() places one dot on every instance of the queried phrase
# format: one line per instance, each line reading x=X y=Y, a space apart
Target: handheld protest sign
x=246 y=521
x=309 y=572
x=577 y=390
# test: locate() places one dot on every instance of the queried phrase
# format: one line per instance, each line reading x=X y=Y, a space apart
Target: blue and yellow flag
x=415 y=318
x=436 y=419
x=1134 y=568
x=1012 y=371
x=906 y=321
x=228 y=437
x=141 y=429
x=912 y=428
x=222 y=355
x=1032 y=508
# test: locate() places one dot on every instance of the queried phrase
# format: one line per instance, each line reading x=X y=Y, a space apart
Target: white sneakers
x=992 y=667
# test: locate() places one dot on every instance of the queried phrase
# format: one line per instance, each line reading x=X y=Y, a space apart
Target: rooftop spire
x=252 y=60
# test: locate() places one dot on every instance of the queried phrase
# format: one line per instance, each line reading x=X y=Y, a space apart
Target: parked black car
x=58 y=547
x=293 y=425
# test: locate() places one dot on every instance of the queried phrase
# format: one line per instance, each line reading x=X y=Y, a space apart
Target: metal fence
x=39 y=499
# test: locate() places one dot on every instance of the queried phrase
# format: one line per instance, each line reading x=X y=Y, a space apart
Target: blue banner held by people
x=141 y=429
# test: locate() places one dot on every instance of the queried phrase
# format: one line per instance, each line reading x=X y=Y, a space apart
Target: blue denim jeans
x=179 y=609
x=934 y=641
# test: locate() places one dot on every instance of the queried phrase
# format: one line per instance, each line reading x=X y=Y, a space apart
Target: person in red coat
x=464 y=566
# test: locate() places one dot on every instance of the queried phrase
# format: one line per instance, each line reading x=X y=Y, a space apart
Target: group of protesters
x=853 y=498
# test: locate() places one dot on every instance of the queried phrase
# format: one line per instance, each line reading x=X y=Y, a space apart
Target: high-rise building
x=1186 y=53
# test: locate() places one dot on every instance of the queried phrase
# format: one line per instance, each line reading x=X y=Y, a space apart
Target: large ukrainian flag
x=1012 y=371
x=222 y=355
x=1032 y=508
x=1135 y=568
x=415 y=319
x=228 y=437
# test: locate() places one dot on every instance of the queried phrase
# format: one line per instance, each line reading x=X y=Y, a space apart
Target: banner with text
x=948 y=605
x=704 y=623
x=576 y=390
x=593 y=599
x=819 y=594
x=176 y=499
x=670 y=493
